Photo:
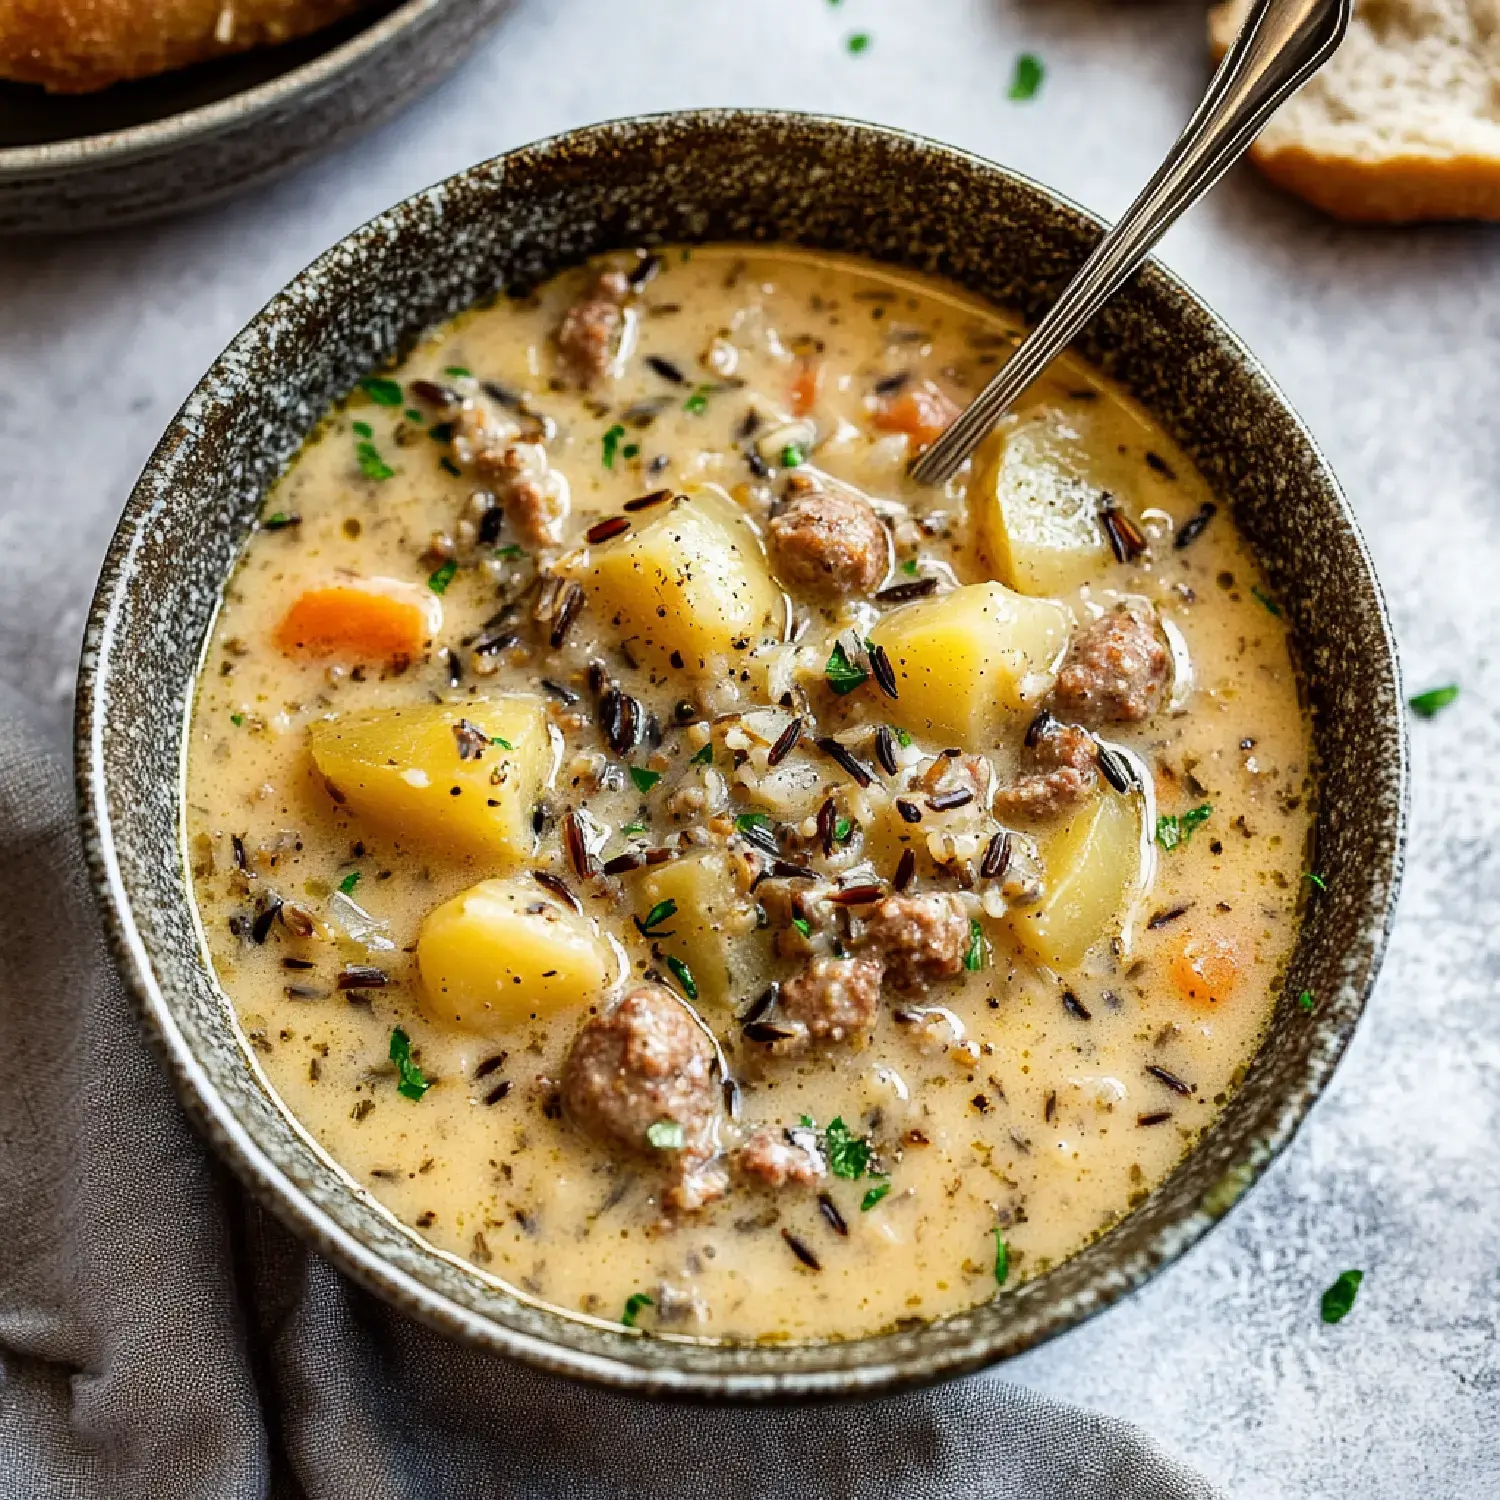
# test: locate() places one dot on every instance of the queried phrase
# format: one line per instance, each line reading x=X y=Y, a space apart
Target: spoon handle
x=1282 y=44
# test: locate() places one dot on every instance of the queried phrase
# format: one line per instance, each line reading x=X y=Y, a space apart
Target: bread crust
x=77 y=46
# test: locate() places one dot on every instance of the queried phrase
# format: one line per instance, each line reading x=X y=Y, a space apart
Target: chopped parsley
x=666 y=1135
x=842 y=828
x=684 y=976
x=447 y=465
x=347 y=884
x=873 y=1196
x=848 y=1154
x=611 y=445
x=663 y=911
x=363 y=429
x=1305 y=1000
x=635 y=1304
x=902 y=737
x=1173 y=829
x=237 y=720
x=630 y=830
x=1270 y=605
x=411 y=1082
x=844 y=675
x=371 y=464
x=412 y=414
x=1316 y=880
x=748 y=820
x=979 y=950
x=1339 y=1298
x=382 y=392
x=1002 y=1258
x=280 y=520
x=458 y=372
x=859 y=42
x=511 y=552
x=803 y=926
x=1430 y=704
x=705 y=757
x=644 y=780
x=439 y=579
x=499 y=739
x=1026 y=80
x=631 y=450
x=909 y=567
x=697 y=403
x=792 y=457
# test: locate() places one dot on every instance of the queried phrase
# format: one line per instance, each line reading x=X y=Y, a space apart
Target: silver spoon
x=1282 y=44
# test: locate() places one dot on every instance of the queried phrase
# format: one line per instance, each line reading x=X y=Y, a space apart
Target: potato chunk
x=693 y=583
x=712 y=928
x=399 y=768
x=1034 y=508
x=1092 y=871
x=504 y=952
x=971 y=662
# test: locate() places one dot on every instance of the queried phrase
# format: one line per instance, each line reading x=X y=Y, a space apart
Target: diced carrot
x=372 y=620
x=805 y=387
x=1205 y=967
x=921 y=411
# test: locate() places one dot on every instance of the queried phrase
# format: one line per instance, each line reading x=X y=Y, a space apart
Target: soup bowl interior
x=831 y=185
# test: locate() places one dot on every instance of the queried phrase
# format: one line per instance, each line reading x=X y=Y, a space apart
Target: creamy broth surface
x=1026 y=1101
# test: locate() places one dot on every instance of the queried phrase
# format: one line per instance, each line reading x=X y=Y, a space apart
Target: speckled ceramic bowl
x=159 y=146
x=718 y=176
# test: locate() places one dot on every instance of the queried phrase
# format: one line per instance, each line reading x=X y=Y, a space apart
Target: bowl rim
x=243 y=108
x=415 y=1297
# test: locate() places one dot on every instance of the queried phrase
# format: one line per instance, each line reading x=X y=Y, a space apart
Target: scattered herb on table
x=410 y=1083
x=1430 y=704
x=1173 y=829
x=978 y=952
x=1026 y=80
x=1339 y=1298
x=844 y=675
x=644 y=780
x=1002 y=1258
x=848 y=1154
x=347 y=884
x=382 y=392
x=859 y=42
x=873 y=1196
x=439 y=579
x=635 y=1304
x=371 y=464
x=665 y=1135
x=611 y=445
x=684 y=976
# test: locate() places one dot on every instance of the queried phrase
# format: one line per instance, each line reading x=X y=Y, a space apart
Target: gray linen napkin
x=162 y=1337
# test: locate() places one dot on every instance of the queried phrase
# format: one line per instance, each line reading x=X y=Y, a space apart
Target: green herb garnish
x=1173 y=829
x=684 y=977
x=363 y=429
x=979 y=951
x=803 y=926
x=792 y=457
x=447 y=465
x=439 y=579
x=644 y=780
x=237 y=720
x=510 y=553
x=902 y=737
x=631 y=829
x=843 y=675
x=859 y=42
x=666 y=1135
x=1270 y=605
x=705 y=757
x=499 y=739
x=873 y=1196
x=748 y=820
x=382 y=392
x=1305 y=1000
x=697 y=403
x=848 y=1154
x=1026 y=80
x=1339 y=1298
x=458 y=372
x=635 y=1304
x=1316 y=880
x=909 y=567
x=371 y=464
x=663 y=911
x=1430 y=704
x=411 y=1082
x=842 y=828
x=612 y=444
x=279 y=521
x=631 y=450
x=1002 y=1258
x=413 y=415
x=347 y=884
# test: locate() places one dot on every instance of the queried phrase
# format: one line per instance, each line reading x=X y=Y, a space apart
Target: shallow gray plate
x=158 y=146
x=719 y=176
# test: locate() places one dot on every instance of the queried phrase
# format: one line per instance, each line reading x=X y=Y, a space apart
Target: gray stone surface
x=1387 y=343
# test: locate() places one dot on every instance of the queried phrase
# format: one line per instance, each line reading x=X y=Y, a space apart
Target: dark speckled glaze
x=717 y=176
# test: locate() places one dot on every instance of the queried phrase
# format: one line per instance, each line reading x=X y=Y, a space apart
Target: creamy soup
x=704 y=880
